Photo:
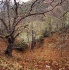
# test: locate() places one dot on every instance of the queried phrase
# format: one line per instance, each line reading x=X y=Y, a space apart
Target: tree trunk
x=9 y=49
x=33 y=44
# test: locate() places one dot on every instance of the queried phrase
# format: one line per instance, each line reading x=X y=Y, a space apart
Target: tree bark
x=9 y=48
x=8 y=51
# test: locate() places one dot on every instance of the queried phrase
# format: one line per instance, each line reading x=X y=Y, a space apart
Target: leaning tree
x=12 y=14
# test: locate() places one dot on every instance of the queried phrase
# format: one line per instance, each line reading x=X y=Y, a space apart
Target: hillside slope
x=47 y=57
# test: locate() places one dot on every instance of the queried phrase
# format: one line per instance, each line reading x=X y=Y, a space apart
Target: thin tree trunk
x=28 y=38
x=32 y=44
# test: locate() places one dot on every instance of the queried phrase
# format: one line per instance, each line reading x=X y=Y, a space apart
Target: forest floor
x=47 y=57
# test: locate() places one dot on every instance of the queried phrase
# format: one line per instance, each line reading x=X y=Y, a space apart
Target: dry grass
x=46 y=57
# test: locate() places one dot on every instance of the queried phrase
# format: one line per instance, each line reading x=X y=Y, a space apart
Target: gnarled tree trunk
x=9 y=48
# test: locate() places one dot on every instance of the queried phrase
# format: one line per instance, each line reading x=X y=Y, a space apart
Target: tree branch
x=4 y=24
x=31 y=7
x=16 y=7
x=34 y=14
x=17 y=35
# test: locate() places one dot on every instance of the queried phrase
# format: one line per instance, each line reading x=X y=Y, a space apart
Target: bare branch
x=17 y=19
x=4 y=24
x=17 y=35
x=16 y=13
x=16 y=7
x=32 y=5
x=8 y=12
x=34 y=14
x=31 y=14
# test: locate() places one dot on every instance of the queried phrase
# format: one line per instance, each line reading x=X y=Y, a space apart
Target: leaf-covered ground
x=47 y=57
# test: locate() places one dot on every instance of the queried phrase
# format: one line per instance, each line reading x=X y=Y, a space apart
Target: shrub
x=20 y=46
x=41 y=38
x=46 y=33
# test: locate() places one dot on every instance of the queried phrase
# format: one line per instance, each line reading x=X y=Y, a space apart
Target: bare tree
x=13 y=17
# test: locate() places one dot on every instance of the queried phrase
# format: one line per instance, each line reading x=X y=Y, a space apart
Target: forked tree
x=12 y=14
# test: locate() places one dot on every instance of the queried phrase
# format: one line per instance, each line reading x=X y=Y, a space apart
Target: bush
x=41 y=38
x=21 y=46
x=45 y=33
